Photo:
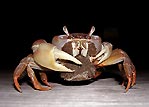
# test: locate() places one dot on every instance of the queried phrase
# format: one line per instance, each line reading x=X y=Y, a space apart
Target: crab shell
x=81 y=46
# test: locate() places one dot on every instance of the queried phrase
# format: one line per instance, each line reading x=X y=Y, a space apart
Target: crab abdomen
x=84 y=72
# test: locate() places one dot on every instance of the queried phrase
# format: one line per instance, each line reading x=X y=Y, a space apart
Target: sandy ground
x=102 y=92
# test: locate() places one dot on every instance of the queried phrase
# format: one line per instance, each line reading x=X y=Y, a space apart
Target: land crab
x=77 y=56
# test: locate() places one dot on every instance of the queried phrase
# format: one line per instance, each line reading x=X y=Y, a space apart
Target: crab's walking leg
x=34 y=80
x=44 y=78
x=18 y=71
x=127 y=67
x=28 y=63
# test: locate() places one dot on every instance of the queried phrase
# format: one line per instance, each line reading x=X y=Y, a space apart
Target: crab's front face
x=81 y=46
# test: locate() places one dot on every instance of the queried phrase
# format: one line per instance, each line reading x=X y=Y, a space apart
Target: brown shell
x=87 y=70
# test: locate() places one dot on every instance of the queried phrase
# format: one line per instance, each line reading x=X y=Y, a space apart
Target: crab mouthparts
x=47 y=54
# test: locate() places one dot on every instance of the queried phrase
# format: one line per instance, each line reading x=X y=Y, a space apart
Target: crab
x=77 y=57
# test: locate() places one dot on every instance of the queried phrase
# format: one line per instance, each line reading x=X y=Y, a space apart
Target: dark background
x=125 y=25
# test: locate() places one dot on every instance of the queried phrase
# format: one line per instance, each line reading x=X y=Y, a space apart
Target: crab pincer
x=44 y=58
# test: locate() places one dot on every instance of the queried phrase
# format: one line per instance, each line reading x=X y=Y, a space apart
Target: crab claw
x=46 y=55
x=103 y=54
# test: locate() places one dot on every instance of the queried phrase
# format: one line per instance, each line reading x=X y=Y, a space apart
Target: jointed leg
x=127 y=67
x=44 y=78
x=19 y=70
x=34 y=80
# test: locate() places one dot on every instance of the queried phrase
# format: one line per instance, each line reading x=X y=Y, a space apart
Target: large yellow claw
x=46 y=55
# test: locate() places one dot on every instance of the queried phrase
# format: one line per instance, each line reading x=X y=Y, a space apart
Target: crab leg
x=19 y=70
x=34 y=80
x=28 y=63
x=128 y=69
x=44 y=78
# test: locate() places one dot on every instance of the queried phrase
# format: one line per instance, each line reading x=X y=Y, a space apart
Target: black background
x=22 y=23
